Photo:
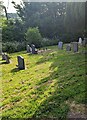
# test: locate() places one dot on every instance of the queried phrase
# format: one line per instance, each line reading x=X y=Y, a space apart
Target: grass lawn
x=52 y=85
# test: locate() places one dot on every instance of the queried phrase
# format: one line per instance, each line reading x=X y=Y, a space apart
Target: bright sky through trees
x=9 y=5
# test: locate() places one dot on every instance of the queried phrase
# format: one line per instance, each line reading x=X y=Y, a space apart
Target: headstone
x=80 y=41
x=21 y=64
x=75 y=46
x=34 y=50
x=31 y=49
x=28 y=49
x=7 y=59
x=3 y=56
x=60 y=45
x=84 y=42
x=68 y=47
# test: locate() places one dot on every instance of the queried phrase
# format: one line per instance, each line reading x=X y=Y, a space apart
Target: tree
x=47 y=16
x=13 y=31
x=75 y=17
x=54 y=19
x=33 y=36
x=2 y=7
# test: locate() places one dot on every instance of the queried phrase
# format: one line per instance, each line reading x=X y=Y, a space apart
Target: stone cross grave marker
x=34 y=50
x=21 y=64
x=75 y=46
x=60 y=45
x=68 y=47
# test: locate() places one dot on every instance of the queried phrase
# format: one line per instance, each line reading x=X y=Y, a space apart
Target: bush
x=49 y=42
x=11 y=47
x=33 y=36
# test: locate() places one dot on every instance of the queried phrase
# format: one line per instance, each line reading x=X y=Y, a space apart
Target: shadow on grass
x=15 y=70
x=4 y=62
x=68 y=86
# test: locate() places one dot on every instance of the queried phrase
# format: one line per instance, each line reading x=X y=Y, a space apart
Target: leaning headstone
x=75 y=46
x=84 y=42
x=34 y=50
x=28 y=49
x=60 y=45
x=68 y=47
x=3 y=56
x=7 y=59
x=80 y=41
x=21 y=64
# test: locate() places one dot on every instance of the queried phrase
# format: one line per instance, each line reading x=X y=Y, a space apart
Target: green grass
x=51 y=82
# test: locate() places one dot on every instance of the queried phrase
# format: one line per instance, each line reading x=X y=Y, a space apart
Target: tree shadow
x=66 y=87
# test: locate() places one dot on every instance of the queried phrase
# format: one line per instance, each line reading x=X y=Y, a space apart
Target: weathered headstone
x=34 y=50
x=75 y=46
x=68 y=47
x=3 y=56
x=28 y=49
x=21 y=64
x=7 y=59
x=31 y=49
x=84 y=42
x=60 y=45
x=80 y=41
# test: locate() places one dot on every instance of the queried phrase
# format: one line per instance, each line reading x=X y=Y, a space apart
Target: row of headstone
x=73 y=45
x=31 y=49
x=68 y=47
x=83 y=42
x=5 y=57
x=20 y=59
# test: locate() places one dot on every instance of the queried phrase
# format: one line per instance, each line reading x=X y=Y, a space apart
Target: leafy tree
x=3 y=9
x=75 y=17
x=33 y=36
x=13 y=31
x=47 y=16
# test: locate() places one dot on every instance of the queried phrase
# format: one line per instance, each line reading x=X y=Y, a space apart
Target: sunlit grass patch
x=42 y=90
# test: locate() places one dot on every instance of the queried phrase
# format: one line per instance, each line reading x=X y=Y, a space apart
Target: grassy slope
x=52 y=81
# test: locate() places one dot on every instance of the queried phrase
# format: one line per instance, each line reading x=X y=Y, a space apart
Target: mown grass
x=51 y=82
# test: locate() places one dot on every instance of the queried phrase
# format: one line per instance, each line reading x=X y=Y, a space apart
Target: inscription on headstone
x=21 y=64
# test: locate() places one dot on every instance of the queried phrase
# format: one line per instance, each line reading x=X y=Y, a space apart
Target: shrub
x=11 y=47
x=49 y=42
x=33 y=36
